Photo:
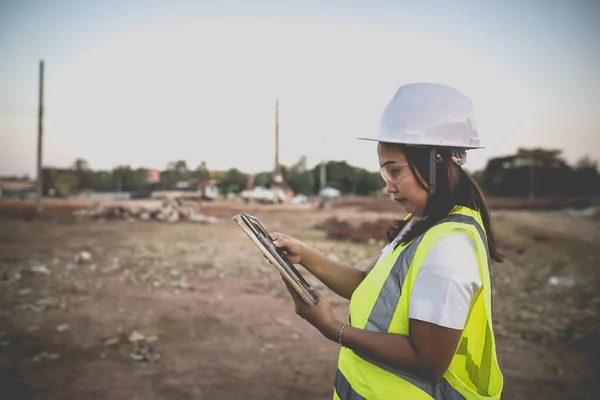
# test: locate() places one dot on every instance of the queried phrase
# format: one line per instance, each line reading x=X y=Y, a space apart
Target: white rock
x=83 y=257
x=40 y=269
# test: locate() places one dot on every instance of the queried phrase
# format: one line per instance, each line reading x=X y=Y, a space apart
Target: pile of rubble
x=172 y=210
x=367 y=232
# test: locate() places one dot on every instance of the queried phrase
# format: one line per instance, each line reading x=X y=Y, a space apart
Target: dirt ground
x=150 y=310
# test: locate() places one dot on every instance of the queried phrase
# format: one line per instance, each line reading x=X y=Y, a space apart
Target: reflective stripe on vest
x=382 y=313
x=441 y=391
x=343 y=388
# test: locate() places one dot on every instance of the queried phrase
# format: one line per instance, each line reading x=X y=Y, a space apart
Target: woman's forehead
x=390 y=152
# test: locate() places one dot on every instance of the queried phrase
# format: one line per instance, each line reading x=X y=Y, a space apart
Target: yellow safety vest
x=380 y=304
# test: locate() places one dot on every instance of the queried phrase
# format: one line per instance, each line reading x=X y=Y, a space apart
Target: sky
x=147 y=82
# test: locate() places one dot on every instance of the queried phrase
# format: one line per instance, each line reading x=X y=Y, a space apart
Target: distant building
x=329 y=192
x=209 y=189
x=16 y=188
x=183 y=185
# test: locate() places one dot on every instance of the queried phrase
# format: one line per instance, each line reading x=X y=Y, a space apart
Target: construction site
x=132 y=133
x=142 y=309
x=165 y=298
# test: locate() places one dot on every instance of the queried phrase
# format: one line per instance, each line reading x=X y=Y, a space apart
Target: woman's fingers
x=317 y=293
x=279 y=240
x=285 y=244
x=276 y=236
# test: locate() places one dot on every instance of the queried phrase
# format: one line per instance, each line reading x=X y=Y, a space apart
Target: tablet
x=261 y=238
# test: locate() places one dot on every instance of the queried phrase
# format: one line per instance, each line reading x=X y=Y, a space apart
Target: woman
x=420 y=324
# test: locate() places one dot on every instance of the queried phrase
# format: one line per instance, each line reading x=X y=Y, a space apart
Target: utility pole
x=532 y=179
x=277 y=170
x=323 y=171
x=322 y=174
x=40 y=178
x=323 y=201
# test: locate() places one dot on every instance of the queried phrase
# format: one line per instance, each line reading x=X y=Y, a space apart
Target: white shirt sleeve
x=447 y=282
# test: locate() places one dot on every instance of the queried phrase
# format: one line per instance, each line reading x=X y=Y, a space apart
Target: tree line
x=177 y=175
x=539 y=172
x=527 y=173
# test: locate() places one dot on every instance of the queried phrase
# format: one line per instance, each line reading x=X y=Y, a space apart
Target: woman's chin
x=406 y=207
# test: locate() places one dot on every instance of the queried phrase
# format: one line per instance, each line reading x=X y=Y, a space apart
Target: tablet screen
x=259 y=230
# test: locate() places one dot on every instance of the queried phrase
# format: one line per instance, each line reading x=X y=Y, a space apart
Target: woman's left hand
x=320 y=315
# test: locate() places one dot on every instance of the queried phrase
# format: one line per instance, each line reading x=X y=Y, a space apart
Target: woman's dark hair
x=454 y=187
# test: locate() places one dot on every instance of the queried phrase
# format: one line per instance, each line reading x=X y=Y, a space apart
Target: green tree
x=587 y=180
x=64 y=182
x=540 y=157
x=122 y=178
x=201 y=173
x=83 y=173
x=262 y=179
x=298 y=177
x=232 y=181
x=181 y=166
x=538 y=172
x=177 y=171
x=367 y=183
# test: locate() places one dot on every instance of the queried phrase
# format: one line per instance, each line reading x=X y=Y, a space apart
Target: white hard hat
x=429 y=114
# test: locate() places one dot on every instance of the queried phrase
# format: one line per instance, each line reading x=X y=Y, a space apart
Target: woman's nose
x=390 y=187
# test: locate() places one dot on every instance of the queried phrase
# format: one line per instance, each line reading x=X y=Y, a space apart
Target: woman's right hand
x=291 y=247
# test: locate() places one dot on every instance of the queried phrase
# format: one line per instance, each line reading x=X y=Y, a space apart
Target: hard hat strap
x=432 y=168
